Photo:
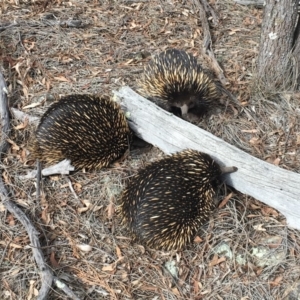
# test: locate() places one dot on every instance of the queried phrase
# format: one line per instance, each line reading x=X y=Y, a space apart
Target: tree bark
x=296 y=52
x=275 y=67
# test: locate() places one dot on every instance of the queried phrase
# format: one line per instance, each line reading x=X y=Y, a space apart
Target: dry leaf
x=254 y=141
x=135 y=282
x=250 y=130
x=45 y=215
x=22 y=125
x=84 y=247
x=110 y=267
x=2 y=208
x=15 y=272
x=22 y=202
x=53 y=261
x=25 y=91
x=87 y=205
x=77 y=187
x=259 y=227
x=110 y=210
x=175 y=291
x=225 y=200
x=276 y=281
x=23 y=155
x=6 y=178
x=269 y=211
x=14 y=145
x=15 y=246
x=118 y=251
x=255 y=206
x=82 y=209
x=198 y=240
x=31 y=290
x=215 y=261
x=233 y=31
x=32 y=105
x=62 y=78
x=10 y=220
x=96 y=208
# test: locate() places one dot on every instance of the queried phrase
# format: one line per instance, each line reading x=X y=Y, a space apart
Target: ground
x=246 y=251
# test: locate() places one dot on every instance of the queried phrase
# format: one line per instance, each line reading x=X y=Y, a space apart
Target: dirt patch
x=55 y=48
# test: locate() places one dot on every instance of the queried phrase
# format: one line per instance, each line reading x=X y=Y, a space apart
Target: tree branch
x=46 y=274
x=46 y=20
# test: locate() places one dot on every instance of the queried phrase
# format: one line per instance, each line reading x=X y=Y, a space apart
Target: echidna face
x=175 y=76
x=168 y=201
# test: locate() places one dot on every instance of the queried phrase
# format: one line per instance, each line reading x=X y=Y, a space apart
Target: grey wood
x=268 y=183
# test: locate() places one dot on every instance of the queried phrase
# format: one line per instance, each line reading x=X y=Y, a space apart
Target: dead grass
x=42 y=61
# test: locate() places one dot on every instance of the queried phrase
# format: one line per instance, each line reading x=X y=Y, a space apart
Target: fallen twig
x=46 y=20
x=72 y=190
x=210 y=10
x=207 y=51
x=20 y=116
x=38 y=179
x=46 y=274
x=64 y=167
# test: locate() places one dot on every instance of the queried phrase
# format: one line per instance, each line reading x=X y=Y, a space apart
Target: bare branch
x=207 y=51
x=46 y=20
x=64 y=167
x=5 y=118
x=20 y=116
x=209 y=9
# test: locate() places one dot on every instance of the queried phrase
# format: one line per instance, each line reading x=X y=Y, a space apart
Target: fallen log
x=268 y=183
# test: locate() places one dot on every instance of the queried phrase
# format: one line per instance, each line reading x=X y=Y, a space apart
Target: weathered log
x=268 y=183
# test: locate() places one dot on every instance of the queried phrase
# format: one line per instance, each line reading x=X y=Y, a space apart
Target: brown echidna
x=174 y=80
x=91 y=131
x=167 y=201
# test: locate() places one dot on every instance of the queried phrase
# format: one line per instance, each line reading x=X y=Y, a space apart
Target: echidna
x=174 y=79
x=167 y=201
x=89 y=130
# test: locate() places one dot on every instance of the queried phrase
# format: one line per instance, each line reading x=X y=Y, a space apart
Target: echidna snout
x=173 y=79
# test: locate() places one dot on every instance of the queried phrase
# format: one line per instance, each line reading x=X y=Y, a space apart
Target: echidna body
x=167 y=201
x=176 y=78
x=91 y=131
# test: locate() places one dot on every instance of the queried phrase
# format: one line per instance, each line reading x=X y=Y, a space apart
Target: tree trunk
x=276 y=66
x=296 y=52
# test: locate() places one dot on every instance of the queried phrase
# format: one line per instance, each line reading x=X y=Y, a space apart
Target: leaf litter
x=82 y=239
